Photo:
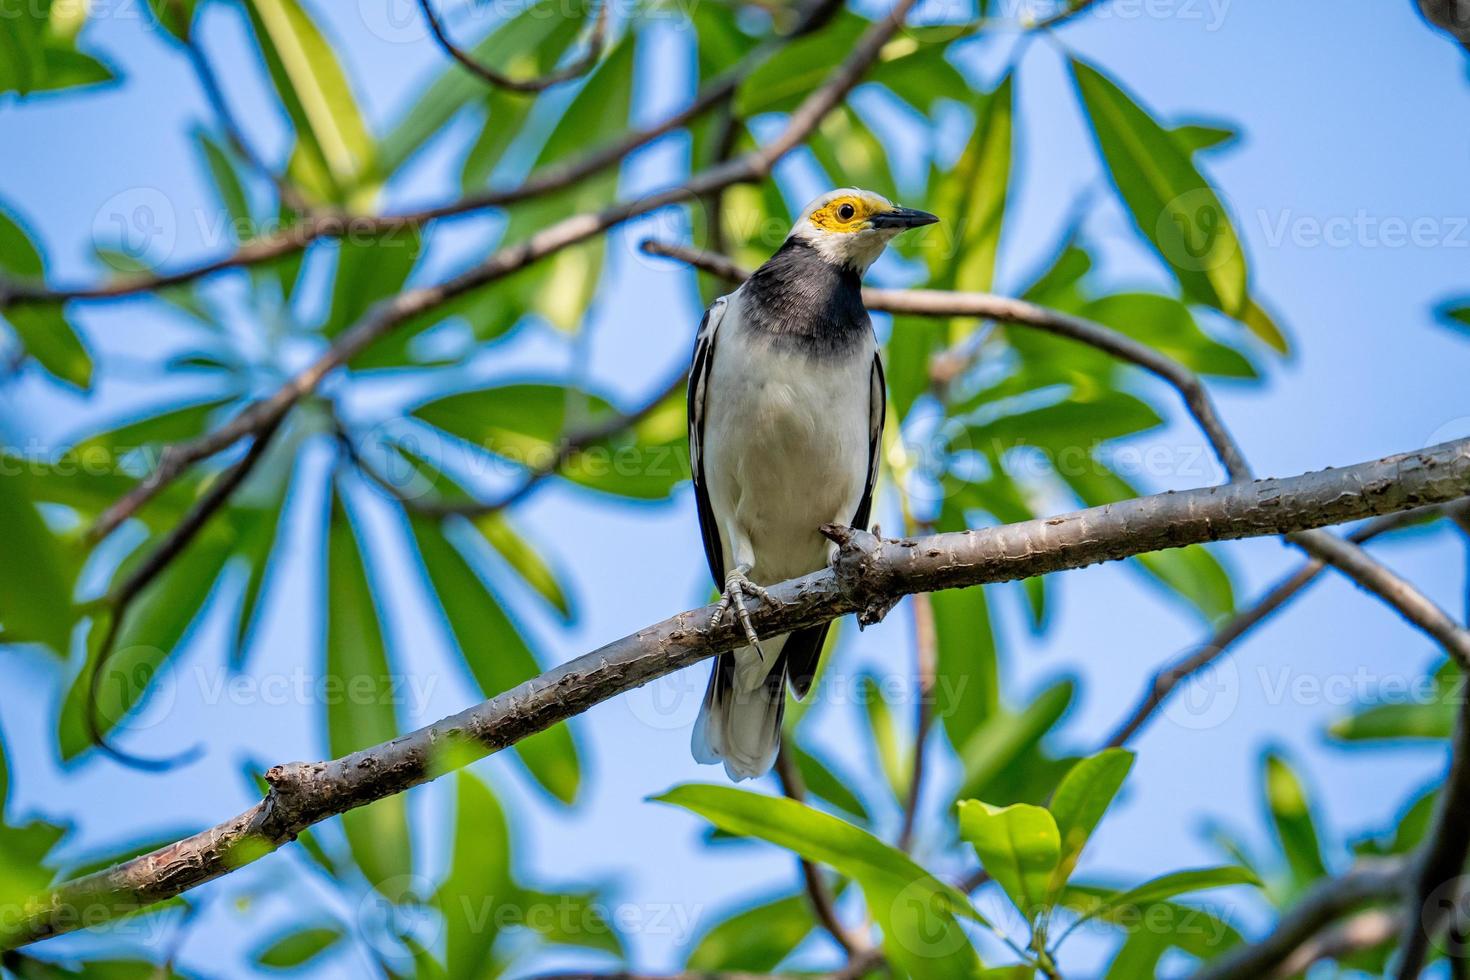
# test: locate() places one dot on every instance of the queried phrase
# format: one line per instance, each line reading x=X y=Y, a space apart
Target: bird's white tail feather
x=740 y=723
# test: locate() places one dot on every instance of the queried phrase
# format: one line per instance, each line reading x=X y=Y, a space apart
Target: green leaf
x=1169 y=886
x=1198 y=137
x=1174 y=207
x=851 y=153
x=967 y=675
x=368 y=270
x=364 y=712
x=893 y=758
x=578 y=921
x=822 y=782
x=915 y=910
x=1168 y=326
x=297 y=948
x=35 y=577
x=1292 y=820
x=149 y=635
x=1067 y=426
x=495 y=652
x=42 y=328
x=1455 y=313
x=227 y=183
x=1007 y=736
x=1080 y=801
x=755 y=940
x=332 y=138
x=260 y=530
x=972 y=199
x=1397 y=720
x=479 y=883
x=524 y=558
x=175 y=16
x=1018 y=845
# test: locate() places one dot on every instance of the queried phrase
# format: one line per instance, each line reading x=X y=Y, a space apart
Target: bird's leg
x=737 y=586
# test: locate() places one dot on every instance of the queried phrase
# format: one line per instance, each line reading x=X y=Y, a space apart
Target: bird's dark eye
x=846 y=211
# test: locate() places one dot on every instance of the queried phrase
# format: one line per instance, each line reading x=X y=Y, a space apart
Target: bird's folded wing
x=699 y=373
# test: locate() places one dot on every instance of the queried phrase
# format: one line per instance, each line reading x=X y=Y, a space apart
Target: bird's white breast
x=786 y=445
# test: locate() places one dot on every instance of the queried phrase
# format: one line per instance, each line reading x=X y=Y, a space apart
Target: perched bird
x=786 y=402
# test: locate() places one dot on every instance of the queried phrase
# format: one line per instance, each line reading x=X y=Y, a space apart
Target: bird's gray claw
x=737 y=586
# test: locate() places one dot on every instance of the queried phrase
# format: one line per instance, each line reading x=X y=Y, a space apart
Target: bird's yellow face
x=848 y=213
x=851 y=227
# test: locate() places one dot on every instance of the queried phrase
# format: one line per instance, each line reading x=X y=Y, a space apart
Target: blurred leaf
x=893 y=760
x=332 y=137
x=529 y=44
x=35 y=577
x=1006 y=736
x=1174 y=207
x=524 y=557
x=1168 y=326
x=755 y=940
x=227 y=182
x=1060 y=284
x=368 y=270
x=579 y=920
x=972 y=199
x=175 y=16
x=259 y=534
x=1293 y=823
x=364 y=711
x=967 y=678
x=822 y=782
x=37 y=48
x=1081 y=799
x=1386 y=722
x=297 y=948
x=156 y=427
x=1018 y=845
x=495 y=652
x=1455 y=313
x=1193 y=929
x=852 y=154
x=1198 y=137
x=23 y=851
x=149 y=635
x=1065 y=427
x=1170 y=885
x=42 y=327
x=1261 y=323
x=915 y=910
x=479 y=884
x=913 y=343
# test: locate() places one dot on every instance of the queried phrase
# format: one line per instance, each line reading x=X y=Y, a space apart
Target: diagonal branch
x=869 y=575
x=386 y=316
x=494 y=77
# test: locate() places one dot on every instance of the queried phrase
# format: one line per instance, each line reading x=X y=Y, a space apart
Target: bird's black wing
x=704 y=352
x=803 y=647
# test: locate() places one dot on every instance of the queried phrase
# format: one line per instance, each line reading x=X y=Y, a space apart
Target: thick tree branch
x=869 y=575
x=389 y=314
x=1370 y=881
x=498 y=79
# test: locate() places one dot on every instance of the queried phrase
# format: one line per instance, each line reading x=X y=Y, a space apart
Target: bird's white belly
x=786 y=450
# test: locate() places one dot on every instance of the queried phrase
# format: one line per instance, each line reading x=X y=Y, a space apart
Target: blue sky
x=1349 y=126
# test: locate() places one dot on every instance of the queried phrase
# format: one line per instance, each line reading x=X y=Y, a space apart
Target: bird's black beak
x=902 y=218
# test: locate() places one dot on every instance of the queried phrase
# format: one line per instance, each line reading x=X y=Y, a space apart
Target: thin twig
x=493 y=76
x=869 y=574
x=1163 y=683
x=384 y=317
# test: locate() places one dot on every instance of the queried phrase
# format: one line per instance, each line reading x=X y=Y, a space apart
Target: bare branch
x=869 y=575
x=1229 y=633
x=389 y=314
x=494 y=77
x=1367 y=929
x=1369 y=881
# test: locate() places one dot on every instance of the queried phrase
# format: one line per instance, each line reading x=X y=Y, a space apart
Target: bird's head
x=851 y=227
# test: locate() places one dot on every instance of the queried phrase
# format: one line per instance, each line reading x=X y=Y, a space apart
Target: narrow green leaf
x=1080 y=801
x=972 y=199
x=330 y=131
x=1007 y=736
x=1171 y=885
x=893 y=758
x=368 y=270
x=967 y=678
x=43 y=328
x=1174 y=207
x=915 y=910
x=495 y=652
x=524 y=558
x=35 y=574
x=822 y=782
x=364 y=712
x=1455 y=313
x=298 y=947
x=1018 y=845
x=1397 y=720
x=1198 y=137
x=479 y=886
x=1293 y=822
x=1168 y=326
x=755 y=940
